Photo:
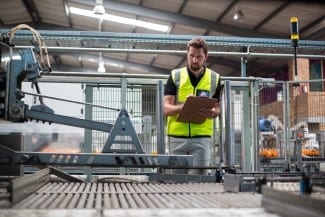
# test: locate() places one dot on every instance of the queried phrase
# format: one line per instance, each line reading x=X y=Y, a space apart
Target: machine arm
x=40 y=112
x=27 y=68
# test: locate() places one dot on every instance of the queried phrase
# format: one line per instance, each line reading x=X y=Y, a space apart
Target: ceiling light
x=99 y=8
x=238 y=15
x=101 y=66
x=119 y=19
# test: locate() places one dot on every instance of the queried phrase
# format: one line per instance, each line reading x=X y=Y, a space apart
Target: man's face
x=196 y=58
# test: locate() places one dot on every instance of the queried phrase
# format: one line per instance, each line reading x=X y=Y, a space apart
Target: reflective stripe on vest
x=206 y=85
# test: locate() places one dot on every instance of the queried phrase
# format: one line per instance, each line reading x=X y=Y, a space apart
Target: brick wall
x=303 y=69
x=303 y=103
x=309 y=105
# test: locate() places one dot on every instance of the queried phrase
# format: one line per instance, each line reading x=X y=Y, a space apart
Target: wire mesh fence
x=290 y=121
x=141 y=108
x=298 y=110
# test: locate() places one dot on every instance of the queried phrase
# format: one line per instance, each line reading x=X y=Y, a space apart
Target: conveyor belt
x=66 y=199
x=209 y=212
x=136 y=195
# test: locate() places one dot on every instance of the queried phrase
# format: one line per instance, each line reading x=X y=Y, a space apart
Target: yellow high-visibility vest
x=206 y=86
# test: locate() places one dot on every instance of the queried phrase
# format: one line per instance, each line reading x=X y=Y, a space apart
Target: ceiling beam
x=318 y=35
x=67 y=12
x=57 y=59
x=311 y=25
x=181 y=8
x=42 y=26
x=252 y=66
x=181 y=19
x=32 y=10
x=272 y=15
x=72 y=68
x=223 y=14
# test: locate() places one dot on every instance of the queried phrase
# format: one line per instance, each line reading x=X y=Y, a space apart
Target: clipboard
x=192 y=106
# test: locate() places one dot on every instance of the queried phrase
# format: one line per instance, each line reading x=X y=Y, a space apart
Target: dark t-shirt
x=171 y=89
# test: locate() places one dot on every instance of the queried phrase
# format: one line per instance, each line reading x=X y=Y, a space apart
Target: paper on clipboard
x=192 y=106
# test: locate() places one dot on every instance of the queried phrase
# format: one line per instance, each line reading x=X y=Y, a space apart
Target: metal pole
x=160 y=119
x=255 y=126
x=228 y=123
x=246 y=144
x=88 y=133
x=180 y=52
x=286 y=113
x=296 y=63
x=124 y=84
x=243 y=62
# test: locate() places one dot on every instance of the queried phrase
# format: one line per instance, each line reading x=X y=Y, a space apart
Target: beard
x=195 y=67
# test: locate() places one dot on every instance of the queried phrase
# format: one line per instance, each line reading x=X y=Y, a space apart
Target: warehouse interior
x=82 y=131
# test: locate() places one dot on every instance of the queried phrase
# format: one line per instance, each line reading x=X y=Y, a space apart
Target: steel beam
x=159 y=41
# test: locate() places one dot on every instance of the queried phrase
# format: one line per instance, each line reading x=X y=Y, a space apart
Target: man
x=194 y=79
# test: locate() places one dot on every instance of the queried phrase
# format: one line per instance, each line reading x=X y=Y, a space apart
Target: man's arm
x=169 y=105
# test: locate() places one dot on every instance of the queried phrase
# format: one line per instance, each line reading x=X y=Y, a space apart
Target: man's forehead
x=198 y=51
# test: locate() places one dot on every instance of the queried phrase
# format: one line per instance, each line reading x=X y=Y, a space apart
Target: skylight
x=119 y=19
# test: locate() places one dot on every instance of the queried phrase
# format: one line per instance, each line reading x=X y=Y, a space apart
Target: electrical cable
x=38 y=39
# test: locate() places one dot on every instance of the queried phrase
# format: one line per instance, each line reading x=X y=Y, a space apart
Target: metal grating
x=61 y=195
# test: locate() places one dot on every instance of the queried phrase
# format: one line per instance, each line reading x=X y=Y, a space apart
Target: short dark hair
x=197 y=43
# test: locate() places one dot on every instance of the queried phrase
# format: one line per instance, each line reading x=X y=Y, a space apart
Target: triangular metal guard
x=123 y=133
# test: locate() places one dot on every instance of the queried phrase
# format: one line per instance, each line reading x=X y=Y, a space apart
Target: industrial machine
x=268 y=139
x=18 y=65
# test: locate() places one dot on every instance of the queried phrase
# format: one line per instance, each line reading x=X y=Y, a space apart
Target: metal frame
x=249 y=160
x=10 y=156
x=108 y=38
x=91 y=41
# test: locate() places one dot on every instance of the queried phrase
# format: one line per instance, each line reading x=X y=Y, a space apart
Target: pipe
x=181 y=52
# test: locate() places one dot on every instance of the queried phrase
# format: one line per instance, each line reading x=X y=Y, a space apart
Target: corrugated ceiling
x=267 y=19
